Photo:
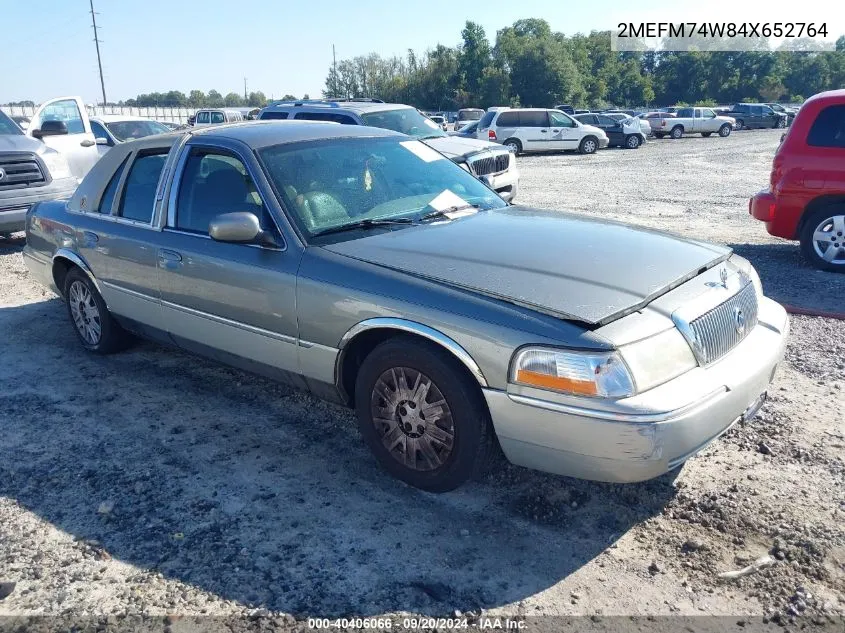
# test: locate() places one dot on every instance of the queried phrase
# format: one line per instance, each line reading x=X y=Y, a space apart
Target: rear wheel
x=706 y=134
x=588 y=145
x=725 y=130
x=659 y=135
x=823 y=238
x=677 y=132
x=97 y=330
x=513 y=145
x=633 y=141
x=422 y=415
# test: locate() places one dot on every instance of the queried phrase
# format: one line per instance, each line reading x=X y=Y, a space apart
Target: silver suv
x=492 y=163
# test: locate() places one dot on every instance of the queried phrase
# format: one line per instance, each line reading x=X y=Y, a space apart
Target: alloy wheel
x=412 y=419
x=829 y=240
x=86 y=315
x=589 y=146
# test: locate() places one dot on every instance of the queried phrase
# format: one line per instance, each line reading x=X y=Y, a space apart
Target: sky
x=286 y=47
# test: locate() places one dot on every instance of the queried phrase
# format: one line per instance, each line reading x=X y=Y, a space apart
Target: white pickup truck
x=702 y=121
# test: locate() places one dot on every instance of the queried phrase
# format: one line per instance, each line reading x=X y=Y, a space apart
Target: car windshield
x=7 y=126
x=405 y=120
x=328 y=184
x=126 y=130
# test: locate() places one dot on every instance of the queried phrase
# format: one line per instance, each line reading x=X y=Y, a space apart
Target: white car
x=217 y=116
x=111 y=129
x=539 y=130
x=441 y=121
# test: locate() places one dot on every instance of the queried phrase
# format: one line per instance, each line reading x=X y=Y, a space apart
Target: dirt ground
x=153 y=482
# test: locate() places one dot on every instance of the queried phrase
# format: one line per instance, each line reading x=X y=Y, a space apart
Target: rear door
x=78 y=146
x=534 y=130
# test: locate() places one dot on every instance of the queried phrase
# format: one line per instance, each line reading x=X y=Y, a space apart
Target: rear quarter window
x=508 y=119
x=334 y=117
x=274 y=115
x=139 y=192
x=108 y=195
x=828 y=129
x=486 y=120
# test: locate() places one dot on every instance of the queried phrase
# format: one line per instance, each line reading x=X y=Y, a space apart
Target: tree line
x=532 y=66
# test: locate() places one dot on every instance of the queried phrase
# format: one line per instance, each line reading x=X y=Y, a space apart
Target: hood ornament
x=723 y=276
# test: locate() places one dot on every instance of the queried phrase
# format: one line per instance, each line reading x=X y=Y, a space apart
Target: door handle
x=543 y=131
x=89 y=238
x=169 y=259
x=86 y=143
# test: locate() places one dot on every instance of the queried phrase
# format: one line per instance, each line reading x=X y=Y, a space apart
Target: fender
x=404 y=325
x=65 y=253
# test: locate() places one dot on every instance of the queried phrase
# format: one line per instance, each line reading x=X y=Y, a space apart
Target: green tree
x=256 y=100
x=474 y=57
x=214 y=99
x=196 y=99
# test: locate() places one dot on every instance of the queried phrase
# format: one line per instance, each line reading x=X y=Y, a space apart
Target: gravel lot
x=152 y=482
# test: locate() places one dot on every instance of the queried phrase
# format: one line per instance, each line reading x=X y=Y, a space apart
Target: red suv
x=806 y=196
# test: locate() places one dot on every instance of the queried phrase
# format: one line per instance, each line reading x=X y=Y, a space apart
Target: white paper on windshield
x=446 y=200
x=421 y=150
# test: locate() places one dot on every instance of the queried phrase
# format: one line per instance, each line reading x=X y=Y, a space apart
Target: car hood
x=20 y=143
x=566 y=265
x=455 y=146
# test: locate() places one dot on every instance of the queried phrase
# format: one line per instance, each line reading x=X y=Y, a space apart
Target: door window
x=274 y=115
x=561 y=120
x=326 y=116
x=707 y=113
x=533 y=118
x=139 y=192
x=685 y=113
x=829 y=128
x=217 y=117
x=606 y=121
x=213 y=183
x=66 y=111
x=756 y=110
x=202 y=117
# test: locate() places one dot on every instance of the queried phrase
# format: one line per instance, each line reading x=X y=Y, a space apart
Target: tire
x=659 y=135
x=514 y=145
x=740 y=124
x=706 y=134
x=449 y=460
x=677 y=132
x=633 y=141
x=94 y=325
x=588 y=145
x=825 y=228
x=781 y=123
x=725 y=130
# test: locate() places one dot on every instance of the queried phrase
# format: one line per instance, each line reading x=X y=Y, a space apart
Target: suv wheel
x=513 y=145
x=422 y=416
x=97 y=330
x=677 y=132
x=588 y=145
x=725 y=130
x=823 y=238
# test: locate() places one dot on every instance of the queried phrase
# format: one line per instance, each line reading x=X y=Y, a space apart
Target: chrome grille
x=487 y=164
x=721 y=329
x=19 y=170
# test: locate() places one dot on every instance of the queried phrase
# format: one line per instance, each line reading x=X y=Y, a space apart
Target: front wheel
x=633 y=141
x=823 y=238
x=725 y=130
x=706 y=134
x=588 y=145
x=677 y=132
x=422 y=416
x=740 y=124
x=780 y=124
x=97 y=330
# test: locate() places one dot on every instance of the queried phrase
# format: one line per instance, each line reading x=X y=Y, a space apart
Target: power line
x=97 y=44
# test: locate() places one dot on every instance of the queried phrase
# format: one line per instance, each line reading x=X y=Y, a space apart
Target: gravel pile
x=156 y=483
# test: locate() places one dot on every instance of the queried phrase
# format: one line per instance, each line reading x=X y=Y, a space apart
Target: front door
x=564 y=132
x=612 y=128
x=78 y=145
x=234 y=302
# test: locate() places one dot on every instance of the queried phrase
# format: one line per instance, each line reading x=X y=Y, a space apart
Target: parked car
x=30 y=172
x=539 y=130
x=467 y=115
x=623 y=132
x=806 y=196
x=467 y=131
x=216 y=116
x=631 y=113
x=63 y=125
x=441 y=122
x=111 y=129
x=702 y=121
x=173 y=125
x=483 y=159
x=644 y=126
x=756 y=115
x=789 y=112
x=653 y=119
x=361 y=265
x=565 y=108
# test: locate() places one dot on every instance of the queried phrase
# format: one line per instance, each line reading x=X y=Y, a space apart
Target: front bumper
x=603 y=142
x=14 y=203
x=651 y=433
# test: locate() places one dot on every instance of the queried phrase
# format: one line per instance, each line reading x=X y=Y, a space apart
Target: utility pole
x=97 y=44
x=245 y=97
x=334 y=74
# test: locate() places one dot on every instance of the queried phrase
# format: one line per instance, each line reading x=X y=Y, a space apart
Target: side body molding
x=403 y=325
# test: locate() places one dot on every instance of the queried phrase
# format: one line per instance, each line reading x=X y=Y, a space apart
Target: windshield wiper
x=428 y=136
x=444 y=213
x=366 y=223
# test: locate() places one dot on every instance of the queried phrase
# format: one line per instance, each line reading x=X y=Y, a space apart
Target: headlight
x=658 y=359
x=56 y=165
x=596 y=374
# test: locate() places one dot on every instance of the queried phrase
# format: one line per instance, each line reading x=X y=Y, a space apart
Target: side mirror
x=241 y=227
x=101 y=140
x=50 y=128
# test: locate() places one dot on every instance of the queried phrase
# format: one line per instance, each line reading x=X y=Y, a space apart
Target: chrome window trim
x=404 y=325
x=284 y=338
